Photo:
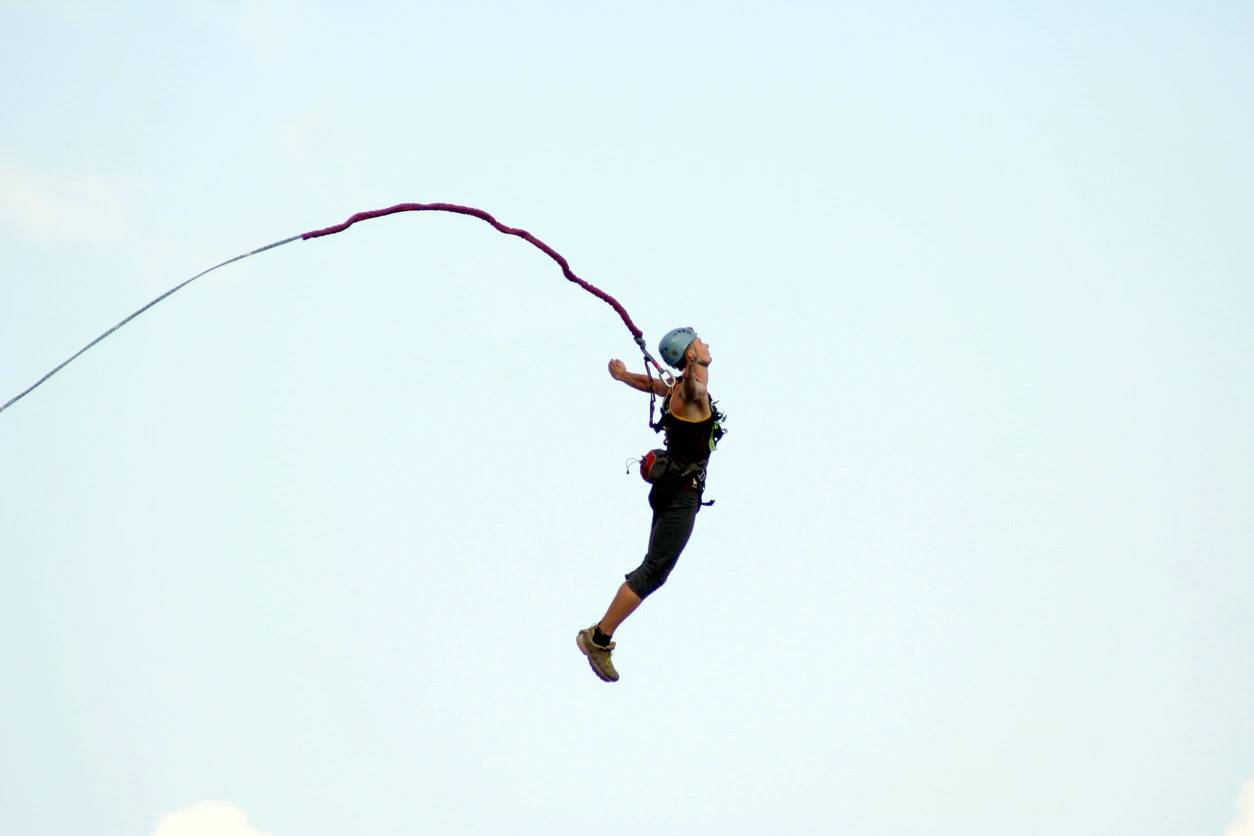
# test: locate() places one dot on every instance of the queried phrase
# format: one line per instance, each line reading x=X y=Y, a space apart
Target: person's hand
x=617 y=369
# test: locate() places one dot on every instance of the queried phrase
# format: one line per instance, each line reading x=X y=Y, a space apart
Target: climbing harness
x=636 y=333
x=659 y=465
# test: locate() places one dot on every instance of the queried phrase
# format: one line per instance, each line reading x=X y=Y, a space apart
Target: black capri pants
x=674 y=514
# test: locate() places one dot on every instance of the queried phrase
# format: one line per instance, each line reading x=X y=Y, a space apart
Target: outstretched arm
x=618 y=371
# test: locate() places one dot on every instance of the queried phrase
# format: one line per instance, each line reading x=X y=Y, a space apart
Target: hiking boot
x=598 y=655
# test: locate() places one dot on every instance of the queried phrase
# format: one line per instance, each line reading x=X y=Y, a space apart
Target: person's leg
x=624 y=604
x=673 y=519
x=672 y=526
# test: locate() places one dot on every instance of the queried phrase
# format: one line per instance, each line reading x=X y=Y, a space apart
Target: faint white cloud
x=1243 y=825
x=59 y=206
x=207 y=818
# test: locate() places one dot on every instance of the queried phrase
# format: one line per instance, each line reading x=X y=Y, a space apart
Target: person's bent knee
x=644 y=583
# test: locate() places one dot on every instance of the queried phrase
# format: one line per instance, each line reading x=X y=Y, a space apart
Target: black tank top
x=688 y=441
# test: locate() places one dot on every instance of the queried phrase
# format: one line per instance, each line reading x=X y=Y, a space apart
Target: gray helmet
x=675 y=343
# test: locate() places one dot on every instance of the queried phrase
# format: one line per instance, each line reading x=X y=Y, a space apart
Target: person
x=691 y=422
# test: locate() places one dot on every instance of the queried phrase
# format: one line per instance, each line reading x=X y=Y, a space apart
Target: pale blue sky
x=312 y=538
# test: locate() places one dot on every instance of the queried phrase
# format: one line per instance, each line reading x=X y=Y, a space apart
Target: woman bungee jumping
x=691 y=422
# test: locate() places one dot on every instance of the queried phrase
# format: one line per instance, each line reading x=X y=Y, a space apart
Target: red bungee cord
x=636 y=333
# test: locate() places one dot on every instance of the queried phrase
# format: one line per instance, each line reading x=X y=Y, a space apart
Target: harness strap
x=656 y=426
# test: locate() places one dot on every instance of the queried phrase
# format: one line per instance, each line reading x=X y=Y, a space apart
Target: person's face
x=700 y=352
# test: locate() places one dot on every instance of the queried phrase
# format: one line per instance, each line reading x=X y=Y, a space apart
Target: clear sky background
x=303 y=550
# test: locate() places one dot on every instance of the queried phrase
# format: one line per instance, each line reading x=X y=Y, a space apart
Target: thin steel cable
x=169 y=292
